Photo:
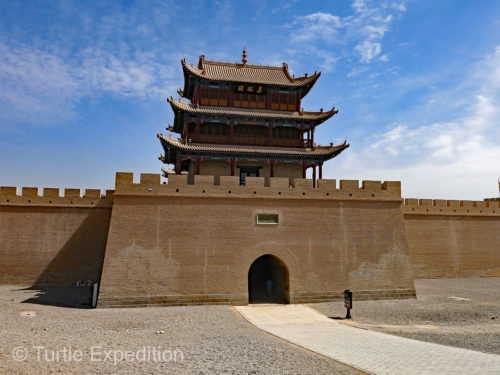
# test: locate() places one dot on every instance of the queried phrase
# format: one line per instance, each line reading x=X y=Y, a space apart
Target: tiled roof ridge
x=192 y=68
x=305 y=77
x=330 y=146
x=318 y=150
x=201 y=70
x=241 y=65
x=253 y=111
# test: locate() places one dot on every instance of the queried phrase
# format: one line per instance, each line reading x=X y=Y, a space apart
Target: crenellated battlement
x=256 y=187
x=451 y=207
x=52 y=197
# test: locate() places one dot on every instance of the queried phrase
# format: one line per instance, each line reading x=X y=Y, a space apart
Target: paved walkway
x=370 y=351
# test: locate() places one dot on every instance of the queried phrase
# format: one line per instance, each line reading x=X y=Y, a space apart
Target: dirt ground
x=464 y=313
x=217 y=340
x=161 y=340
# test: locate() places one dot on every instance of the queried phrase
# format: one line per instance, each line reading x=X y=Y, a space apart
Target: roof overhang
x=174 y=148
x=193 y=74
x=302 y=118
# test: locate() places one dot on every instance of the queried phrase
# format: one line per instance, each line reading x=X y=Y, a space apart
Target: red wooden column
x=270 y=135
x=196 y=95
x=303 y=170
x=197 y=130
x=186 y=132
x=271 y=167
x=320 y=171
x=314 y=176
x=232 y=167
x=231 y=134
x=178 y=166
x=312 y=138
x=198 y=164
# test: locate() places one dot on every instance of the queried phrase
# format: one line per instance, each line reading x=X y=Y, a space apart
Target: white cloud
x=44 y=84
x=360 y=6
x=283 y=5
x=362 y=32
x=368 y=50
x=137 y=75
x=441 y=143
x=455 y=159
x=317 y=25
x=33 y=82
x=375 y=27
x=401 y=7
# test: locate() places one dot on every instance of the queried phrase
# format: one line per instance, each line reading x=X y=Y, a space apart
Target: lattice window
x=283 y=102
x=213 y=96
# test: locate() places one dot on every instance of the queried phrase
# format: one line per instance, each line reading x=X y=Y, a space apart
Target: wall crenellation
x=33 y=196
x=450 y=207
x=261 y=187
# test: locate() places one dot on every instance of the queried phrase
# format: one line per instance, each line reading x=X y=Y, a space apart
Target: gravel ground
x=212 y=339
x=217 y=340
x=471 y=319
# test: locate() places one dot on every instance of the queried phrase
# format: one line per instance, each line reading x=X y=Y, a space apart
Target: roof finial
x=244 y=59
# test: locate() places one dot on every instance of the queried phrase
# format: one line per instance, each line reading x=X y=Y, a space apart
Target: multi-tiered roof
x=241 y=112
x=244 y=73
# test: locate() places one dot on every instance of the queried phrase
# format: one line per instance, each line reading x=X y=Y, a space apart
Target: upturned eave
x=319 y=153
x=242 y=73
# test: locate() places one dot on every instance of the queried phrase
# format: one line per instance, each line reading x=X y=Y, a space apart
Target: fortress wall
x=52 y=240
x=449 y=238
x=191 y=243
x=214 y=168
x=288 y=170
x=219 y=168
x=185 y=244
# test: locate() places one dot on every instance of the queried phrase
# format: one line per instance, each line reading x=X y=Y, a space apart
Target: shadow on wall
x=80 y=259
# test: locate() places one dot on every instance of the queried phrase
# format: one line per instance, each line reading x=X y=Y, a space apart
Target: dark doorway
x=248 y=172
x=268 y=281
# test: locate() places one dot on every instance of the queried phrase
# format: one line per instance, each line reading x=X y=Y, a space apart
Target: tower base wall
x=192 y=244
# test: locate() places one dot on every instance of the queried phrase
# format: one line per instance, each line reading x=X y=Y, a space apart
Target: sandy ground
x=217 y=340
x=464 y=313
x=190 y=340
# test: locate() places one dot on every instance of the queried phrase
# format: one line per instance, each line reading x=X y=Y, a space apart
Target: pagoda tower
x=244 y=120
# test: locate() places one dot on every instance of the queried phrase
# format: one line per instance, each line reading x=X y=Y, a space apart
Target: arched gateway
x=268 y=281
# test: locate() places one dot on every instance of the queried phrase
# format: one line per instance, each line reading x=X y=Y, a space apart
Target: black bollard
x=348 y=303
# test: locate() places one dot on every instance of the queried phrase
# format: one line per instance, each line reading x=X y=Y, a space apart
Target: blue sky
x=417 y=83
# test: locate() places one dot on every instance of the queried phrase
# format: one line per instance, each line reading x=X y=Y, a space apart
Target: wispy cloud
x=44 y=84
x=451 y=159
x=108 y=50
x=324 y=26
x=359 y=34
x=33 y=82
x=284 y=5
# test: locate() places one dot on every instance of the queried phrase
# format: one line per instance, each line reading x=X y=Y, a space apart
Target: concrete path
x=370 y=351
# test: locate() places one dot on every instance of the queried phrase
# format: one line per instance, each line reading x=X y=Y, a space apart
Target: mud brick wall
x=52 y=239
x=195 y=243
x=451 y=238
